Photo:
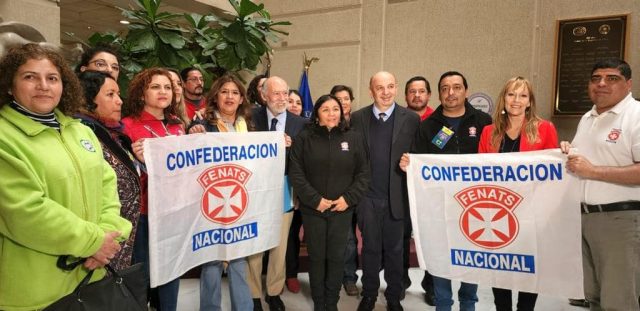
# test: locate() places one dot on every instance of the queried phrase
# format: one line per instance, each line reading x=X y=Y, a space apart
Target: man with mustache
x=417 y=92
x=193 y=90
x=459 y=126
x=388 y=131
x=274 y=117
x=606 y=159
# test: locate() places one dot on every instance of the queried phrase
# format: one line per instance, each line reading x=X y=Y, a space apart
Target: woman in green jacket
x=57 y=194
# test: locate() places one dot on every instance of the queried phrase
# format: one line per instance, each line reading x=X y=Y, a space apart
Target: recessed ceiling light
x=124 y=22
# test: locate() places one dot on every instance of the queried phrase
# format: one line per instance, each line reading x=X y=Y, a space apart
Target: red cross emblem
x=225 y=198
x=488 y=219
x=614 y=134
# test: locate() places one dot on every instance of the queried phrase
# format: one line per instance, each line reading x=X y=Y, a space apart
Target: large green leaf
x=235 y=5
x=194 y=19
x=259 y=46
x=242 y=49
x=167 y=56
x=227 y=59
x=143 y=40
x=172 y=38
x=247 y=8
x=251 y=62
x=234 y=33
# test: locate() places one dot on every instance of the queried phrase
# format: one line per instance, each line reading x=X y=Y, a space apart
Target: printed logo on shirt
x=344 y=146
x=614 y=135
x=473 y=131
x=225 y=198
x=87 y=145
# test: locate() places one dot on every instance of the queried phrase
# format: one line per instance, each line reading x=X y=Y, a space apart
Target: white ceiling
x=85 y=17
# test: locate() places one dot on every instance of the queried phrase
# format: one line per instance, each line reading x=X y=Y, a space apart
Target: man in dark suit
x=273 y=117
x=388 y=130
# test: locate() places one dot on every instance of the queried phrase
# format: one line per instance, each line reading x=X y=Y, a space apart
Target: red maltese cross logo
x=488 y=220
x=225 y=198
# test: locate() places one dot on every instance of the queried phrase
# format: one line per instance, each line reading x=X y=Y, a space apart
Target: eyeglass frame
x=103 y=64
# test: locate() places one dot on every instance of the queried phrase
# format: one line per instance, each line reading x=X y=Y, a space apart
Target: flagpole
x=305 y=92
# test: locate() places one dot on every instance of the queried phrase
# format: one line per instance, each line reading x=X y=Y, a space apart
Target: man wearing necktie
x=273 y=117
x=388 y=131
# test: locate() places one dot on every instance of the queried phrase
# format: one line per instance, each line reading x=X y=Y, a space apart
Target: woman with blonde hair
x=517 y=127
x=515 y=115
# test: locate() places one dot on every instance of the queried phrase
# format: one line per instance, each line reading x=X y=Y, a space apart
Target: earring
x=503 y=112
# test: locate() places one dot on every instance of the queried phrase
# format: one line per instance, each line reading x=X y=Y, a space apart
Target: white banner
x=214 y=196
x=509 y=220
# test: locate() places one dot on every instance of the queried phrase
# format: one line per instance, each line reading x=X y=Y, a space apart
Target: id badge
x=441 y=139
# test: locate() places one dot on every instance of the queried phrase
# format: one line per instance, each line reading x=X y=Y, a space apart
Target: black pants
x=326 y=236
x=381 y=236
x=502 y=299
x=427 y=280
x=292 y=257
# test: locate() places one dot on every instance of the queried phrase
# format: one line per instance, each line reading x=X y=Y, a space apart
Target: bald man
x=273 y=117
x=388 y=130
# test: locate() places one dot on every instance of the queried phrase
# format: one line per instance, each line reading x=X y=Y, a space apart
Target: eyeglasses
x=102 y=64
x=608 y=79
x=195 y=79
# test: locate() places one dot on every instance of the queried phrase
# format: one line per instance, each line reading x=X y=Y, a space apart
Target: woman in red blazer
x=516 y=127
x=515 y=120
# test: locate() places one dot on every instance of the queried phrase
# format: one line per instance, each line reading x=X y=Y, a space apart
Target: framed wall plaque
x=580 y=43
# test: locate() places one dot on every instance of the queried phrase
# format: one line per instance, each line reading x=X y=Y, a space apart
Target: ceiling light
x=124 y=22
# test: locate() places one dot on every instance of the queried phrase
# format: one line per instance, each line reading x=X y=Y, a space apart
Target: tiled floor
x=189 y=295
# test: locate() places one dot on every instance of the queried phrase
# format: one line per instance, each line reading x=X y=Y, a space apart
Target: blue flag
x=305 y=93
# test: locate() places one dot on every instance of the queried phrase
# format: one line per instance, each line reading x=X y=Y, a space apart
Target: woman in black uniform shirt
x=329 y=172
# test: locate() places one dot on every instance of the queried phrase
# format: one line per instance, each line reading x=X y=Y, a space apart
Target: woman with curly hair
x=154 y=112
x=57 y=194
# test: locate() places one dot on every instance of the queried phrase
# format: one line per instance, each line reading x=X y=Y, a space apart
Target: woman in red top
x=515 y=119
x=153 y=112
x=516 y=127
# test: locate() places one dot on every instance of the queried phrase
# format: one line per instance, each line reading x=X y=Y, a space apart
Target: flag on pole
x=305 y=94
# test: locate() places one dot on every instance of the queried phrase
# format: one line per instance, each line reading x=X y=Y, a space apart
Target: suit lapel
x=261 y=120
x=397 y=124
x=288 y=124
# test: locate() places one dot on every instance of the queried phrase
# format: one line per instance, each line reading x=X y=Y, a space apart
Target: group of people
x=74 y=181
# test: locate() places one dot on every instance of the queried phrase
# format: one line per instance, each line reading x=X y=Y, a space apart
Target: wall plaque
x=580 y=43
